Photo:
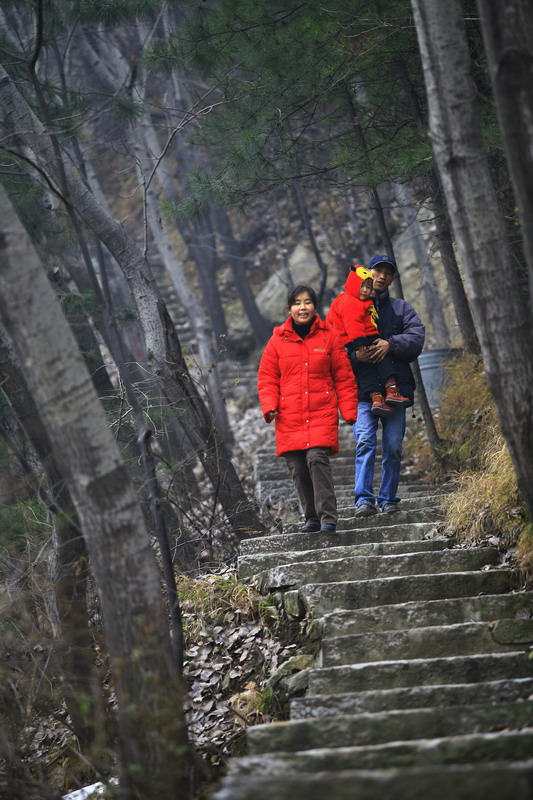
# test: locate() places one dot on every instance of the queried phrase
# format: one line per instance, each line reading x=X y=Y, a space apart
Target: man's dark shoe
x=311 y=527
x=365 y=510
x=390 y=508
x=328 y=527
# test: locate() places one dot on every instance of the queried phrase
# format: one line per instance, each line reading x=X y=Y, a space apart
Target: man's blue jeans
x=365 y=432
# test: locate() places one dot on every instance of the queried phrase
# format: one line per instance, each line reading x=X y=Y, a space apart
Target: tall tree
x=435 y=312
x=508 y=35
x=69 y=569
x=443 y=233
x=491 y=278
x=152 y=734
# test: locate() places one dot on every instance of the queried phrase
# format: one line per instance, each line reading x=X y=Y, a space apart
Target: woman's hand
x=269 y=416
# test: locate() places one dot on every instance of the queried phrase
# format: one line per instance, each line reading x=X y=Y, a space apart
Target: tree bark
x=149 y=692
x=478 y=227
x=208 y=361
x=453 y=276
x=443 y=232
x=81 y=687
x=507 y=30
x=261 y=327
x=434 y=308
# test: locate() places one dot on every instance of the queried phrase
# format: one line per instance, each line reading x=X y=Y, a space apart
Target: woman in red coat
x=304 y=379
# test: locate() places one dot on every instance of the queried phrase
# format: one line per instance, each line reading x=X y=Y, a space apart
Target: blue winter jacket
x=401 y=326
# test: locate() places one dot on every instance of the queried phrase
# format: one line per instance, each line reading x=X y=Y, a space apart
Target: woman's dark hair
x=293 y=294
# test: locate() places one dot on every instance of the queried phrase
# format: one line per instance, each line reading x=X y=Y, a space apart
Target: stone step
x=320 y=598
x=368 y=568
x=349 y=522
x=343 y=476
x=346 y=484
x=416 y=614
x=420 y=672
x=285 y=491
x=469 y=638
x=497 y=781
x=389 y=531
x=475 y=748
x=343 y=473
x=253 y=564
x=466 y=694
x=407 y=504
x=264 y=462
x=388 y=726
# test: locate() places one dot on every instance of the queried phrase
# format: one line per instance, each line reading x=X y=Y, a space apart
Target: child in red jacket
x=354 y=316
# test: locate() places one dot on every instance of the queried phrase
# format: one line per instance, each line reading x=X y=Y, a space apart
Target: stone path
x=423 y=685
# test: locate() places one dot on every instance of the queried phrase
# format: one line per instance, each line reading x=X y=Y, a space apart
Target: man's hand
x=363 y=353
x=378 y=351
x=373 y=353
x=269 y=416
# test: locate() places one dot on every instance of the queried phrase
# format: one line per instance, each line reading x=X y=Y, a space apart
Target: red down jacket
x=306 y=381
x=350 y=317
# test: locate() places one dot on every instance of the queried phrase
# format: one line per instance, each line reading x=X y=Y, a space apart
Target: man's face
x=382 y=276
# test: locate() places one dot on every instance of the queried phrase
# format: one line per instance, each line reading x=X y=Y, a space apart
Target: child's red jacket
x=350 y=317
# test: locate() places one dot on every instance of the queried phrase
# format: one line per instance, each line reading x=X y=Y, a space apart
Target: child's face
x=366 y=290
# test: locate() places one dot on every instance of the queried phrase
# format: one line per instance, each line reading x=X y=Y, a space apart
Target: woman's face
x=303 y=309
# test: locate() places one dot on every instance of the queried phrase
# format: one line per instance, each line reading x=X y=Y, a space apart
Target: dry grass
x=485 y=503
x=524 y=552
x=468 y=419
x=207 y=600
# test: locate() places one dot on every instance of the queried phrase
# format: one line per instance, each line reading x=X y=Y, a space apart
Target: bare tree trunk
x=478 y=226
x=207 y=368
x=508 y=36
x=87 y=342
x=152 y=729
x=197 y=235
x=188 y=159
x=261 y=327
x=453 y=276
x=81 y=687
x=434 y=309
x=444 y=238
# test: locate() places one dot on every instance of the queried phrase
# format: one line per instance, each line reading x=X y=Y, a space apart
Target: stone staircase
x=423 y=683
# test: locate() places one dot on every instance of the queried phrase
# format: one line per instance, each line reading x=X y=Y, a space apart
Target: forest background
x=167 y=171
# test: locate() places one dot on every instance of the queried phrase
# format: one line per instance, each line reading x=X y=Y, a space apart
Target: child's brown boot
x=378 y=406
x=394 y=398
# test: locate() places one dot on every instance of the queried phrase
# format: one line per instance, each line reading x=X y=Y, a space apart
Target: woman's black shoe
x=311 y=527
x=328 y=528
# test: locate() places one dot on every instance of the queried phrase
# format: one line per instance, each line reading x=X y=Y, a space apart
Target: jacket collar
x=287 y=328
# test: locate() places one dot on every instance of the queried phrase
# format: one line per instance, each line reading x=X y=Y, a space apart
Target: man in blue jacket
x=402 y=337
